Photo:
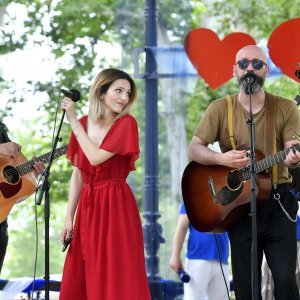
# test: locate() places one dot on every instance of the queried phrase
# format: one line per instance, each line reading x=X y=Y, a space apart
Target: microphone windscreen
x=183 y=276
x=76 y=95
x=250 y=78
x=72 y=94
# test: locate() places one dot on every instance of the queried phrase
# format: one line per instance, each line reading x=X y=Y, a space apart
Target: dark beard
x=256 y=85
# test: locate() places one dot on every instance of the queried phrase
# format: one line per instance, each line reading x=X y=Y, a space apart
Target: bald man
x=276 y=217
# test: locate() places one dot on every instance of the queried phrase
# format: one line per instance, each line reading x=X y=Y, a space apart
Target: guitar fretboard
x=269 y=161
x=27 y=166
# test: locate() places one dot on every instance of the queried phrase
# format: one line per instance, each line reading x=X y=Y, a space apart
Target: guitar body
x=13 y=187
x=215 y=197
x=17 y=181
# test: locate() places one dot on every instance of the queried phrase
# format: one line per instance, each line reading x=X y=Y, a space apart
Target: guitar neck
x=269 y=161
x=27 y=166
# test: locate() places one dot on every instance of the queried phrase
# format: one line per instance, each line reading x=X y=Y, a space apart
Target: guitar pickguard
x=9 y=190
x=227 y=196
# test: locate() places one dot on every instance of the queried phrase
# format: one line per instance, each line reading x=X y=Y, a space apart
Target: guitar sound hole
x=234 y=180
x=11 y=175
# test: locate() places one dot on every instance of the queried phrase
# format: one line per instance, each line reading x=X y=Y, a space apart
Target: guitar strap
x=230 y=121
x=270 y=130
x=3 y=133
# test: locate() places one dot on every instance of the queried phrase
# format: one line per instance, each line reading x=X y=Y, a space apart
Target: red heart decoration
x=213 y=58
x=284 y=47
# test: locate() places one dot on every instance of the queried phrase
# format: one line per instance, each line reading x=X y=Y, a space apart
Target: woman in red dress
x=105 y=260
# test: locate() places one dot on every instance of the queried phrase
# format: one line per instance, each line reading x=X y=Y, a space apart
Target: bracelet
x=76 y=126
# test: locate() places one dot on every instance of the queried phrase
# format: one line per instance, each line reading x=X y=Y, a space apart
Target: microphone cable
x=221 y=266
x=35 y=202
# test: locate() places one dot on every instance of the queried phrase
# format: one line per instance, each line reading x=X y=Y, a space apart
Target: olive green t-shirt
x=214 y=127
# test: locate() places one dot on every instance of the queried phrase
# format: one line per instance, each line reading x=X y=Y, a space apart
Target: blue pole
x=152 y=229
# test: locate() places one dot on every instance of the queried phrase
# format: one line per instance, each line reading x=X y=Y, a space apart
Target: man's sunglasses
x=256 y=63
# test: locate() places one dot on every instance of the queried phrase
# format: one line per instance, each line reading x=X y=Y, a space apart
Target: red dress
x=105 y=260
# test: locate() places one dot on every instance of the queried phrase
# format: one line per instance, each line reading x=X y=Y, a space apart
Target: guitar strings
x=23 y=166
x=238 y=176
x=235 y=176
x=259 y=167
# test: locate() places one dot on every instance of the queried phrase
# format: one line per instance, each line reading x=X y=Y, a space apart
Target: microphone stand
x=44 y=188
x=254 y=267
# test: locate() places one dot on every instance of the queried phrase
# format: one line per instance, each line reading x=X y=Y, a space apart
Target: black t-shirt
x=3 y=133
x=3 y=139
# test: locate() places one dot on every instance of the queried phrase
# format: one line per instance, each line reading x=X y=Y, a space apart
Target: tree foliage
x=77 y=34
x=258 y=19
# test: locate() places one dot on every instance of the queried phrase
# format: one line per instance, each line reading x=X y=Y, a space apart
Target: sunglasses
x=257 y=64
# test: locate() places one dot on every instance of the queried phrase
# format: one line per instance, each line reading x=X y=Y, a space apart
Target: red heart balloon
x=213 y=58
x=284 y=47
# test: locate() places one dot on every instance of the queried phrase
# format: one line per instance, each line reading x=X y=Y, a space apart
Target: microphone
x=67 y=242
x=183 y=276
x=250 y=78
x=72 y=94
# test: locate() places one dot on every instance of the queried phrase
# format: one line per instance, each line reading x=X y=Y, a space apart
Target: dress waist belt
x=89 y=186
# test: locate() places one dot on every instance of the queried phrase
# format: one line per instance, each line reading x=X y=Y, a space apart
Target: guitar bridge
x=212 y=190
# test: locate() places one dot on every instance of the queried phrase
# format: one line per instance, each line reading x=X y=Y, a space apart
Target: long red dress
x=105 y=260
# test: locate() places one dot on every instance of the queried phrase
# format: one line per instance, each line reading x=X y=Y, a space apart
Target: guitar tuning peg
x=297 y=72
x=297 y=136
x=297 y=100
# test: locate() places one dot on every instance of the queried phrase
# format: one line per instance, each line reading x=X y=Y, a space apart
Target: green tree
x=77 y=34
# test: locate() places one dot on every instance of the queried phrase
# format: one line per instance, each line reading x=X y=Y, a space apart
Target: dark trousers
x=3 y=241
x=276 y=237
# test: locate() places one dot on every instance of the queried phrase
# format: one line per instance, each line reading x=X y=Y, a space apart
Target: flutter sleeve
x=74 y=153
x=123 y=139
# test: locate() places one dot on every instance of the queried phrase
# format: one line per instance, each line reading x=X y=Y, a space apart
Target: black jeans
x=276 y=237
x=3 y=241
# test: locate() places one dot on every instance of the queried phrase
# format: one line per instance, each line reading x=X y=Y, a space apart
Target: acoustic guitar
x=215 y=197
x=18 y=181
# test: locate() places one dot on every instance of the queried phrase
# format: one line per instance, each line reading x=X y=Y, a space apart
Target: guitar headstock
x=297 y=100
x=296 y=136
x=296 y=147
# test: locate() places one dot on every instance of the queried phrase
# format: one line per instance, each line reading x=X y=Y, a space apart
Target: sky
x=35 y=63
x=21 y=67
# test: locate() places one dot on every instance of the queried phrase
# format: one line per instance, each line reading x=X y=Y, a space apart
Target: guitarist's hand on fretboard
x=38 y=167
x=18 y=180
x=293 y=157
